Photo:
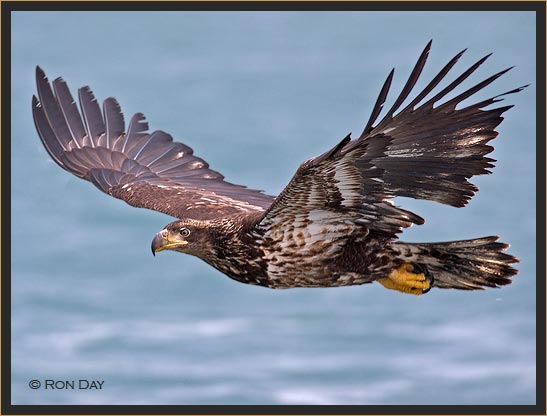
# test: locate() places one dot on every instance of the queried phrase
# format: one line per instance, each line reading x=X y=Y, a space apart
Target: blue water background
x=255 y=94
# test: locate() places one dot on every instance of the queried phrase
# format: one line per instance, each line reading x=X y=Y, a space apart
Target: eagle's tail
x=467 y=264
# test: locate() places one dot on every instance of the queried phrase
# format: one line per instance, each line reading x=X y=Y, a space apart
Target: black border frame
x=7 y=7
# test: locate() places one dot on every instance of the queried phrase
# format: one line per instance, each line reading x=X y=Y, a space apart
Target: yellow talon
x=405 y=280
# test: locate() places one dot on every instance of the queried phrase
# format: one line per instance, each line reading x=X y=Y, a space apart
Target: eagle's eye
x=185 y=232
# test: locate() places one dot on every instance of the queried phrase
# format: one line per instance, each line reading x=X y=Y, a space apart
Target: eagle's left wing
x=146 y=170
x=423 y=152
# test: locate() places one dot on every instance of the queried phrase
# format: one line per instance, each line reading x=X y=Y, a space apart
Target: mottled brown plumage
x=334 y=223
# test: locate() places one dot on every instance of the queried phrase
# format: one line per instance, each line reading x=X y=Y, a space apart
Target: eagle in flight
x=334 y=223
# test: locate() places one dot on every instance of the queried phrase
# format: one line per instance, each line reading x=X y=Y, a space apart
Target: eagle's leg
x=406 y=280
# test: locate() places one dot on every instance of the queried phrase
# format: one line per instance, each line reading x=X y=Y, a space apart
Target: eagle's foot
x=406 y=280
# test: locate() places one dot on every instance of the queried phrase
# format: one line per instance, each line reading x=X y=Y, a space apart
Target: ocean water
x=255 y=94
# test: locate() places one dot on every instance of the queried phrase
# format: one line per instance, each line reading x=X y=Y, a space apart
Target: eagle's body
x=323 y=252
x=307 y=255
x=334 y=223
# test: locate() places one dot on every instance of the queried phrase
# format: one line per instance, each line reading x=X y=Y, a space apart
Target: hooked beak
x=162 y=242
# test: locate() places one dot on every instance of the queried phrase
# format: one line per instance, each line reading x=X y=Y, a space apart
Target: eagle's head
x=186 y=236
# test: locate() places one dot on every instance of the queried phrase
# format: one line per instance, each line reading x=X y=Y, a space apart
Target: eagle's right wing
x=423 y=152
x=145 y=170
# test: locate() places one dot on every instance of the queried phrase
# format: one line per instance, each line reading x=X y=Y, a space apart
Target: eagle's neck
x=235 y=252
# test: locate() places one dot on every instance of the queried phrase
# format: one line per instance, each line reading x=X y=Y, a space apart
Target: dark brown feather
x=115 y=124
x=93 y=118
x=70 y=110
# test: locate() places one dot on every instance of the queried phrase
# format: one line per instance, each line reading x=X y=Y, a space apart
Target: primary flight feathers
x=144 y=169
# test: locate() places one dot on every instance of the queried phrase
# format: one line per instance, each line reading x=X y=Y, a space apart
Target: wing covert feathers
x=144 y=169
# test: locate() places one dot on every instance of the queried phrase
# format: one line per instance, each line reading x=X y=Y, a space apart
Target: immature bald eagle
x=333 y=224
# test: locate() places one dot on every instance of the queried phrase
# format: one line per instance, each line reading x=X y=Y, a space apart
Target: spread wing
x=147 y=170
x=424 y=151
